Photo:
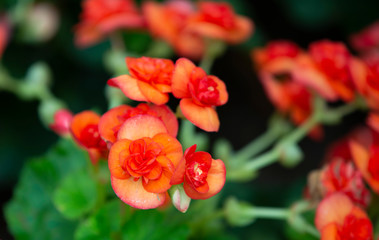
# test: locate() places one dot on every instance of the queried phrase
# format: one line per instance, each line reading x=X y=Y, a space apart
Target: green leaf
x=31 y=214
x=151 y=225
x=76 y=194
x=104 y=223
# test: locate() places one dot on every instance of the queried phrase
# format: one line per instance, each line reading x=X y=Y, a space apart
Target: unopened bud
x=179 y=198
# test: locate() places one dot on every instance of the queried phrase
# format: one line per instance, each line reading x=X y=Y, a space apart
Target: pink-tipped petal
x=133 y=193
x=141 y=126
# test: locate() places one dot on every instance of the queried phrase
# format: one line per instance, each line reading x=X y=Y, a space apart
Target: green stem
x=269 y=213
x=257 y=145
x=317 y=117
x=213 y=50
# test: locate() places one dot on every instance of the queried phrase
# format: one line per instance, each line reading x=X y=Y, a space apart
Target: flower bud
x=179 y=198
x=62 y=121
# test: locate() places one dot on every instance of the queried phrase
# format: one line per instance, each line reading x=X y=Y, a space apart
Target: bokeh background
x=80 y=76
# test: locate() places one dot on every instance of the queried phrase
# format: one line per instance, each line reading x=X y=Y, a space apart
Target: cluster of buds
x=145 y=158
x=182 y=24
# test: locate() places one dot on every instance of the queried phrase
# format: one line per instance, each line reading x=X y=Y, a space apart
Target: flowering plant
x=151 y=160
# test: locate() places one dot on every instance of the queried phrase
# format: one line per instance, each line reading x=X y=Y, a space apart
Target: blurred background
x=79 y=78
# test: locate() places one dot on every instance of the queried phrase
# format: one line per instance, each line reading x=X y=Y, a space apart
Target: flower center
x=140 y=159
x=206 y=91
x=90 y=137
x=356 y=228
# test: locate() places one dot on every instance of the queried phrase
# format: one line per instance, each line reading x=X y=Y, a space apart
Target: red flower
x=200 y=94
x=337 y=218
x=367 y=39
x=62 y=122
x=340 y=175
x=102 y=17
x=217 y=20
x=4 y=34
x=333 y=60
x=203 y=176
x=277 y=65
x=168 y=22
x=112 y=120
x=364 y=145
x=142 y=162
x=85 y=130
x=149 y=80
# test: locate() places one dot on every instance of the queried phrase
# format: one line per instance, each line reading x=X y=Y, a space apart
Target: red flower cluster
x=180 y=23
x=289 y=75
x=151 y=80
x=144 y=157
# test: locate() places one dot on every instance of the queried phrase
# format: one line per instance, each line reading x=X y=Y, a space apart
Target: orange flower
x=142 y=162
x=217 y=20
x=199 y=93
x=62 y=122
x=364 y=145
x=102 y=17
x=112 y=120
x=4 y=34
x=277 y=65
x=168 y=21
x=85 y=130
x=367 y=39
x=340 y=175
x=337 y=218
x=149 y=80
x=203 y=176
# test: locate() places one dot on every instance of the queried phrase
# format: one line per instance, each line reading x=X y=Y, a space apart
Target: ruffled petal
x=181 y=78
x=110 y=122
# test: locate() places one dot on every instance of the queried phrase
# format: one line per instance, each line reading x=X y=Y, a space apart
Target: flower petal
x=333 y=209
x=141 y=126
x=171 y=147
x=114 y=163
x=168 y=118
x=129 y=86
x=181 y=78
x=152 y=94
x=205 y=118
x=81 y=120
x=110 y=121
x=162 y=184
x=133 y=193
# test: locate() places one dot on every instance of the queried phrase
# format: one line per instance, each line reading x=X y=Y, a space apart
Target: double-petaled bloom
x=337 y=218
x=168 y=21
x=100 y=18
x=149 y=79
x=199 y=93
x=217 y=20
x=85 y=130
x=142 y=161
x=186 y=26
x=277 y=65
x=339 y=174
x=201 y=175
